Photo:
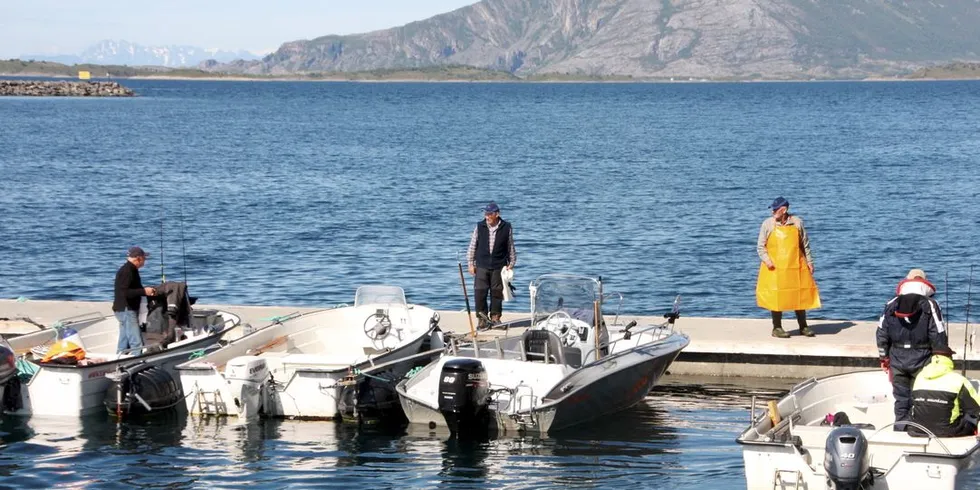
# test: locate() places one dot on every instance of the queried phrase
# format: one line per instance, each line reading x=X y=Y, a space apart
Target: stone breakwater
x=63 y=89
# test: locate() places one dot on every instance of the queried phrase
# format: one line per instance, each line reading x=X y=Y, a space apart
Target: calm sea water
x=296 y=193
x=682 y=436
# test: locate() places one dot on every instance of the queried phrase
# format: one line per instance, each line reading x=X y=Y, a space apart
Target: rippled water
x=296 y=193
x=682 y=436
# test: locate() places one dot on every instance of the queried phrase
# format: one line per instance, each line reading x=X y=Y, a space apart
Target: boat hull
x=610 y=385
x=308 y=388
x=76 y=391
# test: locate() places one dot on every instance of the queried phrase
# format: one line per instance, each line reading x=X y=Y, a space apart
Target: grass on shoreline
x=447 y=73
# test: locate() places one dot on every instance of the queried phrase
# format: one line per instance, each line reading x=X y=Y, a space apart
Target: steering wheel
x=381 y=327
x=563 y=327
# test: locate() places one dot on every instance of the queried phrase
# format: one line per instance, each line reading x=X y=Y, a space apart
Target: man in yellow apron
x=786 y=273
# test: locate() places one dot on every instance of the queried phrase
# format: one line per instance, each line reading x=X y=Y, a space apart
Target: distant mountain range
x=126 y=53
x=774 y=39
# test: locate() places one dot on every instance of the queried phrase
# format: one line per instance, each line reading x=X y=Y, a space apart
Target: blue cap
x=778 y=203
x=491 y=208
x=135 y=252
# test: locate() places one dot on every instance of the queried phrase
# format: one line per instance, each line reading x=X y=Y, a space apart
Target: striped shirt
x=471 y=251
x=770 y=224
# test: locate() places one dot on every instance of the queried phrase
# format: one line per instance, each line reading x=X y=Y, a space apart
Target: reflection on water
x=681 y=436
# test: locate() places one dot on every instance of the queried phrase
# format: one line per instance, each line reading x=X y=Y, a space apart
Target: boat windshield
x=373 y=295
x=574 y=295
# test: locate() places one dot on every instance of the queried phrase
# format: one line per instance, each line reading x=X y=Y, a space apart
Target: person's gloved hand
x=885 y=363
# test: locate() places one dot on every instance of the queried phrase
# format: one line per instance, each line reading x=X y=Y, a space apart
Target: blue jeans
x=129 y=333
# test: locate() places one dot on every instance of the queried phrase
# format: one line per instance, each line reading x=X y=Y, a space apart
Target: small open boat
x=299 y=366
x=78 y=388
x=569 y=367
x=797 y=444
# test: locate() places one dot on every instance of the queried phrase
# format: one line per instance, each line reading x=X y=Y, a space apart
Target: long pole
x=966 y=327
x=183 y=250
x=466 y=296
x=163 y=277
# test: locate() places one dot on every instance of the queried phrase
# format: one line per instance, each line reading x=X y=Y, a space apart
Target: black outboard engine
x=463 y=396
x=846 y=459
x=9 y=382
x=8 y=364
x=141 y=389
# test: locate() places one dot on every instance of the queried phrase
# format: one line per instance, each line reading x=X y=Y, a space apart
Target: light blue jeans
x=129 y=333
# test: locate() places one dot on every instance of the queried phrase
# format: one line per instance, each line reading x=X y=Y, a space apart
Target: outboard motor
x=10 y=386
x=8 y=364
x=463 y=395
x=141 y=389
x=846 y=459
x=246 y=376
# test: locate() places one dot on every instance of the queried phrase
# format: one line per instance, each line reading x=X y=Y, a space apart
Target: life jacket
x=915 y=286
x=940 y=396
x=68 y=349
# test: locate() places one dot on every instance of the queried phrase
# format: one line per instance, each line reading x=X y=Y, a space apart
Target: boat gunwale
x=216 y=336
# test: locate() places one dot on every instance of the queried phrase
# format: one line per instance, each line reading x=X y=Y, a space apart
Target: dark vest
x=501 y=249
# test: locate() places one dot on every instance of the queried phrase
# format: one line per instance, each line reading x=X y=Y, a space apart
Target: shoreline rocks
x=31 y=88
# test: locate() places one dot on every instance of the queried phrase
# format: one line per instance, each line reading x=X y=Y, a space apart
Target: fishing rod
x=966 y=326
x=183 y=249
x=163 y=277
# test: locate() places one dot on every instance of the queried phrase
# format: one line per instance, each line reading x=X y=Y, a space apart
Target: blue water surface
x=296 y=193
x=291 y=193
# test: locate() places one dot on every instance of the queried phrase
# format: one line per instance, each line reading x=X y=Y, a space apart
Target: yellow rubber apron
x=790 y=286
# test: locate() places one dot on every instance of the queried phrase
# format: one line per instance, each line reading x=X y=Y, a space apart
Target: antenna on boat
x=966 y=326
x=163 y=277
x=183 y=249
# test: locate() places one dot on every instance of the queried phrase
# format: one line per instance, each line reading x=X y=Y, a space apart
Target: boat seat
x=573 y=357
x=536 y=342
x=317 y=361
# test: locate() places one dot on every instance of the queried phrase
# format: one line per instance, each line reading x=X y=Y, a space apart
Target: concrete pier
x=719 y=346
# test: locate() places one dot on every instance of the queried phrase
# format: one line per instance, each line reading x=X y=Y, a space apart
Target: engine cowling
x=463 y=395
x=246 y=376
x=846 y=460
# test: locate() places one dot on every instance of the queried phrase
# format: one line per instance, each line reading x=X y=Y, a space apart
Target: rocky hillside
x=656 y=38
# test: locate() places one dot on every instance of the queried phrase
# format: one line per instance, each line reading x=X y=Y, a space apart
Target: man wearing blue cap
x=786 y=273
x=491 y=249
x=126 y=302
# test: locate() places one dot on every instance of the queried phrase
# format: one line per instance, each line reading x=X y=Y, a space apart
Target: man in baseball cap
x=128 y=290
x=491 y=250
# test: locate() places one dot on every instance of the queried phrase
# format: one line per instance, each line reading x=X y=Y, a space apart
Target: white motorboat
x=299 y=366
x=78 y=389
x=795 y=443
x=567 y=368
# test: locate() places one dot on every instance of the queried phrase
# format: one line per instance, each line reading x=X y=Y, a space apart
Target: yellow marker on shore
x=84 y=75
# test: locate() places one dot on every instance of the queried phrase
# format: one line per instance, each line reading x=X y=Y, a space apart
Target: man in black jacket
x=910 y=329
x=491 y=249
x=126 y=302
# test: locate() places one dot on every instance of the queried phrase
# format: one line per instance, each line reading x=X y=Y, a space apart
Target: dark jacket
x=940 y=398
x=500 y=256
x=909 y=328
x=128 y=288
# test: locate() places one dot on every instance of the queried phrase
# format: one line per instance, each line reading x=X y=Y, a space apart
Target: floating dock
x=719 y=346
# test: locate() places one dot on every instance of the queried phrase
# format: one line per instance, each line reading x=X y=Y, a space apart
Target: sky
x=66 y=27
